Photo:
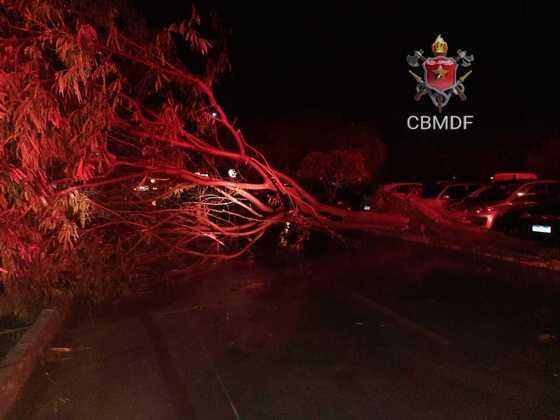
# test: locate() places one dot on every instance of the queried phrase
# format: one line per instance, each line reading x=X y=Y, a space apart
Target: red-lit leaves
x=88 y=115
x=87 y=37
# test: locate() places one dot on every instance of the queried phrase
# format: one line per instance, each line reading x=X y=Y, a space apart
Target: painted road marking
x=404 y=323
x=221 y=382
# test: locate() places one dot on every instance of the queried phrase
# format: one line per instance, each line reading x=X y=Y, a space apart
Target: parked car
x=403 y=189
x=500 y=206
x=442 y=193
x=541 y=222
x=483 y=194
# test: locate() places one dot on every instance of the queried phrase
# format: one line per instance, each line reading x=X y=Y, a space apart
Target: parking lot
x=388 y=329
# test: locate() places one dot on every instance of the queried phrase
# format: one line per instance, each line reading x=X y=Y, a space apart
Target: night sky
x=348 y=60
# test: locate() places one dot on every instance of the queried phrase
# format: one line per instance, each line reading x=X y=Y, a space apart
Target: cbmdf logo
x=440 y=80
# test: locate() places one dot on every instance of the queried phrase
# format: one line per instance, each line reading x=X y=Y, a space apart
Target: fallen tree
x=93 y=111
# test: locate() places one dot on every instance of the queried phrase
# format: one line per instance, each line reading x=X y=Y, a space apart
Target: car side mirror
x=446 y=197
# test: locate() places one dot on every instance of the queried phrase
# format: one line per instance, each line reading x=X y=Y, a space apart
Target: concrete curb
x=549 y=264
x=17 y=366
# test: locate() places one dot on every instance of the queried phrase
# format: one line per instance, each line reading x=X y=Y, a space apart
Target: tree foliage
x=92 y=106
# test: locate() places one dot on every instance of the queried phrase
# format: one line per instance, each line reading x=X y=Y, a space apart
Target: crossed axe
x=418 y=58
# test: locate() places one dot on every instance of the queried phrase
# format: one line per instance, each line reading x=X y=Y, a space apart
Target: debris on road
x=61 y=349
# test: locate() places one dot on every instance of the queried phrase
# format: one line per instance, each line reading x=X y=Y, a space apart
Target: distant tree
x=288 y=140
x=335 y=170
x=91 y=106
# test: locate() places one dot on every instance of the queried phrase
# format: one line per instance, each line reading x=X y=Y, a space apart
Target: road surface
x=385 y=330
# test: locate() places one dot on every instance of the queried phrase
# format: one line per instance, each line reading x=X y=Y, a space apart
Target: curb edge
x=18 y=365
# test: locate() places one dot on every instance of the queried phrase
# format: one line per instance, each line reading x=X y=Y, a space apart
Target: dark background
x=347 y=61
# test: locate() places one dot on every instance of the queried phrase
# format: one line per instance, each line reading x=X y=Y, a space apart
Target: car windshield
x=433 y=190
x=497 y=192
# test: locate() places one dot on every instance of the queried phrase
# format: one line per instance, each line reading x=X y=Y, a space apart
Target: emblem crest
x=440 y=81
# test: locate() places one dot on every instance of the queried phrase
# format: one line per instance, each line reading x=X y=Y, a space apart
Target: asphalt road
x=385 y=330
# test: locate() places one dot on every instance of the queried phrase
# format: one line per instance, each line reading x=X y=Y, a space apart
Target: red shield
x=440 y=73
